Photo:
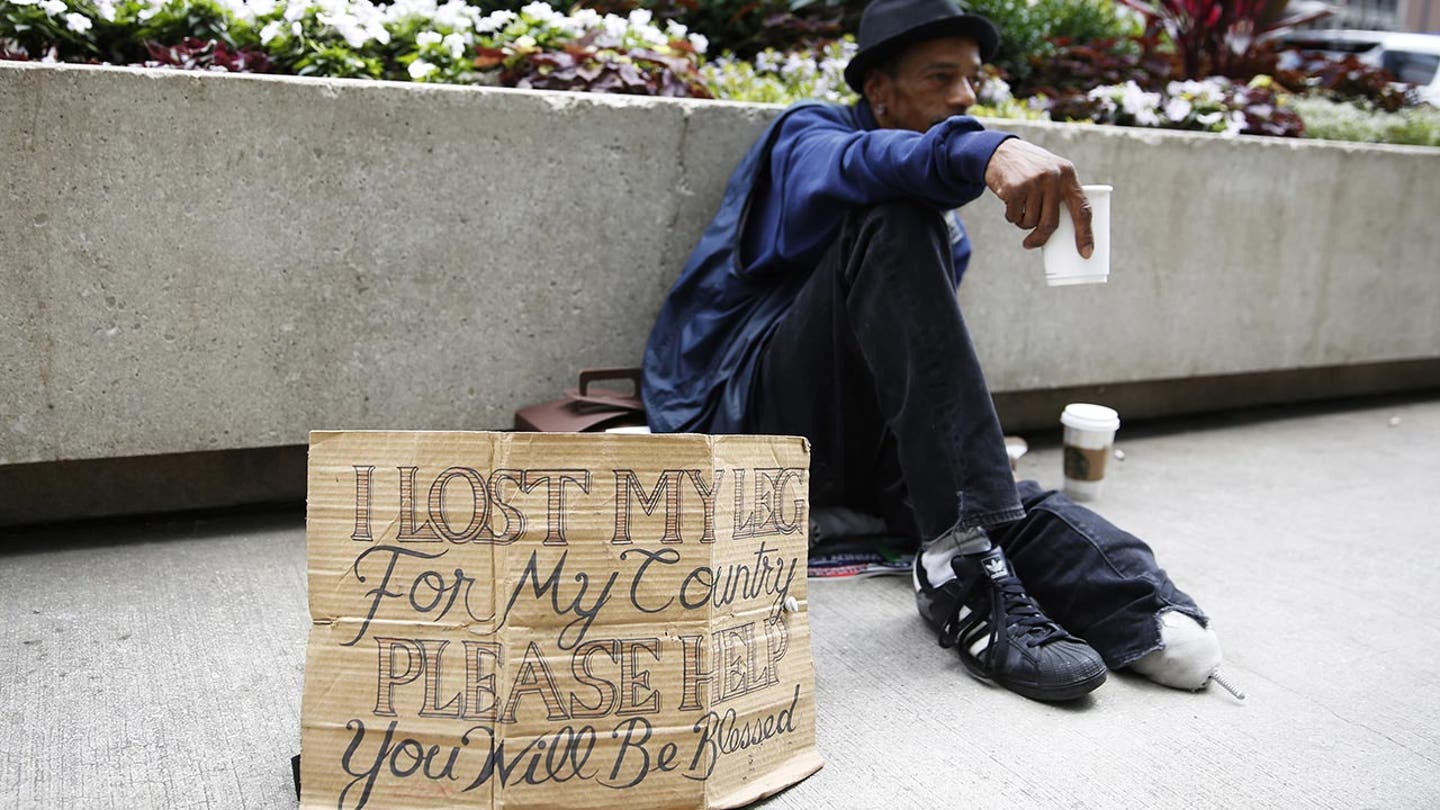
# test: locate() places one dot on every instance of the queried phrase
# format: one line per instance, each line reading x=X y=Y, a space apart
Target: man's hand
x=1033 y=183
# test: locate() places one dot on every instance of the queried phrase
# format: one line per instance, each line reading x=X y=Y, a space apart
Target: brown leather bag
x=588 y=408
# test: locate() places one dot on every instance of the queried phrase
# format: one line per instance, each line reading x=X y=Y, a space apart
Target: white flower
x=1210 y=119
x=25 y=2
x=54 y=8
x=541 y=12
x=1210 y=91
x=1106 y=97
x=355 y=36
x=427 y=38
x=640 y=17
x=295 y=28
x=615 y=27
x=457 y=16
x=1178 y=109
x=996 y=91
x=799 y=66
x=78 y=23
x=455 y=43
x=271 y=30
x=236 y=8
x=566 y=26
x=494 y=22
x=261 y=8
x=586 y=18
x=1140 y=105
x=1189 y=87
x=106 y=10
x=699 y=43
x=347 y=26
x=420 y=69
x=1235 y=122
x=767 y=61
x=1132 y=98
x=525 y=42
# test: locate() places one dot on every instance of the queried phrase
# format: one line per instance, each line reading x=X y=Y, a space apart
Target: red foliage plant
x=1078 y=67
x=587 y=65
x=1216 y=37
x=13 y=51
x=206 y=54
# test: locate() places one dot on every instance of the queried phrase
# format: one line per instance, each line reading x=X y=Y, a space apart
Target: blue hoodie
x=783 y=207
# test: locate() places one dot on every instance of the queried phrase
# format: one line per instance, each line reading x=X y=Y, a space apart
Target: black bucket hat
x=889 y=25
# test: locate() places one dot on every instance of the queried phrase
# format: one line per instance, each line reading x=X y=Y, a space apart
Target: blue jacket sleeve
x=821 y=165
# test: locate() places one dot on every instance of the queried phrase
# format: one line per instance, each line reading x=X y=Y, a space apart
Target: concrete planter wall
x=195 y=262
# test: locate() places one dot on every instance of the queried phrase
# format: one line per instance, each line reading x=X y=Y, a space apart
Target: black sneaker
x=1000 y=633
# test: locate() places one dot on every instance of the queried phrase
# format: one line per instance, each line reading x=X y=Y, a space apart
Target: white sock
x=936 y=557
x=1189 y=655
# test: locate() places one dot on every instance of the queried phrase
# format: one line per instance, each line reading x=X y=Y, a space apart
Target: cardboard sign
x=556 y=620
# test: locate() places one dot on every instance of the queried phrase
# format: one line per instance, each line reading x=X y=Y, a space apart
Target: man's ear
x=878 y=87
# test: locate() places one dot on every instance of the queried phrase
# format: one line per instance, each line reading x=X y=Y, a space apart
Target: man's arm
x=944 y=167
x=821 y=164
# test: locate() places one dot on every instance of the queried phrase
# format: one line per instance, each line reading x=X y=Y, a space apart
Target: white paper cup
x=1063 y=263
x=1015 y=448
x=1089 y=439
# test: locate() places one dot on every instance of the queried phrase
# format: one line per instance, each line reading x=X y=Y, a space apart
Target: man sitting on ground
x=821 y=301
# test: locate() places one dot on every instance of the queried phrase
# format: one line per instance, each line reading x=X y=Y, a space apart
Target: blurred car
x=1414 y=59
x=1338 y=42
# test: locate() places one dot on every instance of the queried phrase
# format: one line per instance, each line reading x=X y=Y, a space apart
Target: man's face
x=933 y=80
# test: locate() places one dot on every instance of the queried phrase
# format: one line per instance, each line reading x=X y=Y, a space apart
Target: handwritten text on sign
x=557 y=626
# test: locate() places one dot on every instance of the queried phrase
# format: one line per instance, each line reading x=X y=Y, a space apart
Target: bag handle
x=591 y=375
x=630 y=401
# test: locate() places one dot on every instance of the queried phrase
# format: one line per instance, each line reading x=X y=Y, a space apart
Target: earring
x=880 y=109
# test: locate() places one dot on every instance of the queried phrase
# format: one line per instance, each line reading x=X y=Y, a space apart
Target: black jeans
x=873 y=364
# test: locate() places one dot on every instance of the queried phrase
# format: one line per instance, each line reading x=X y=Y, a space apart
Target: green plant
x=1324 y=118
x=47 y=28
x=1029 y=30
x=1091 y=20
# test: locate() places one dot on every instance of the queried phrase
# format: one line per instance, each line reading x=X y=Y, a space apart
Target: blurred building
x=1420 y=16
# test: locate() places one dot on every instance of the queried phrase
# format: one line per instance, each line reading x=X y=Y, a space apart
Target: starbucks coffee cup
x=1063 y=263
x=1089 y=442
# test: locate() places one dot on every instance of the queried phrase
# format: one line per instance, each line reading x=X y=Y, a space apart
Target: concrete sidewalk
x=160 y=663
